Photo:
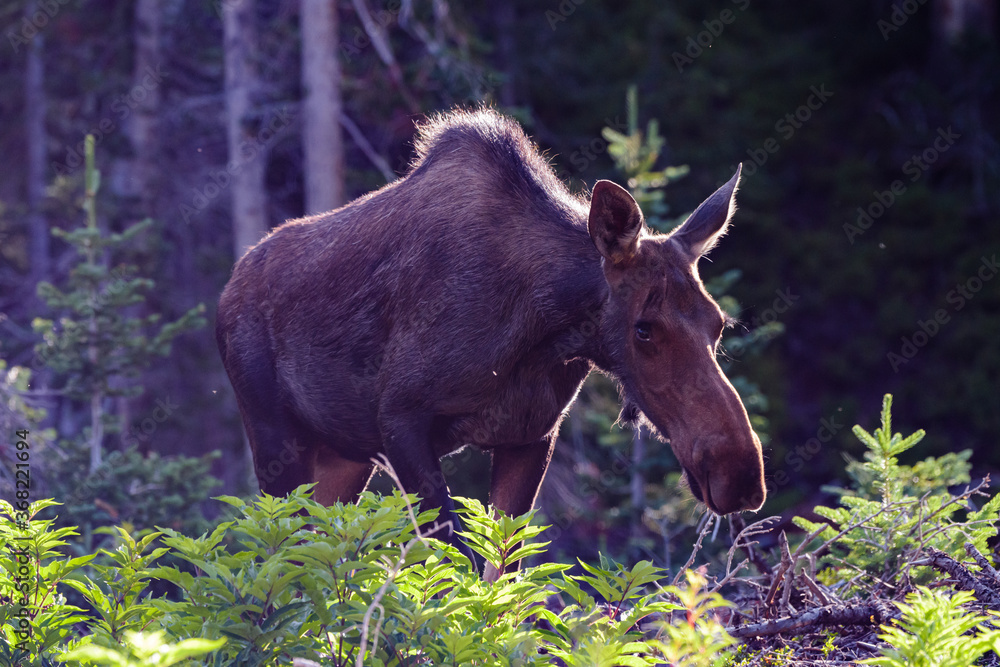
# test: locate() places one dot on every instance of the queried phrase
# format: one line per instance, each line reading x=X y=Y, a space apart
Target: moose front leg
x=517 y=475
x=406 y=438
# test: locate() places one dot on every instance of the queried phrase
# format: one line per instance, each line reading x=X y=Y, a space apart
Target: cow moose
x=465 y=304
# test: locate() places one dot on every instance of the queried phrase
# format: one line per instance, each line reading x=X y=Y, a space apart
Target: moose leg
x=280 y=451
x=406 y=438
x=517 y=475
x=339 y=479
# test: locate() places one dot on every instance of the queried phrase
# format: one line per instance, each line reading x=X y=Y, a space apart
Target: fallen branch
x=990 y=574
x=939 y=560
x=872 y=613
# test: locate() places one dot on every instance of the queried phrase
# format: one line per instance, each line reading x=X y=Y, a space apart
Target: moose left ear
x=702 y=230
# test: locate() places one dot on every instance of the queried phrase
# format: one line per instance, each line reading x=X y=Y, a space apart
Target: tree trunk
x=144 y=123
x=956 y=19
x=322 y=140
x=246 y=153
x=507 y=50
x=34 y=133
x=637 y=488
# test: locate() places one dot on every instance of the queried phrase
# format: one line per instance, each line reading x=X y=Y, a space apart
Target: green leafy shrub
x=894 y=512
x=935 y=632
x=343 y=585
x=35 y=619
x=700 y=639
x=143 y=650
x=132 y=490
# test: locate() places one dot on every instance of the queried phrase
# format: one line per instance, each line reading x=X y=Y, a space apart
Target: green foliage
x=882 y=466
x=700 y=640
x=935 y=632
x=635 y=155
x=35 y=618
x=134 y=490
x=339 y=585
x=496 y=536
x=96 y=345
x=288 y=578
x=96 y=341
x=882 y=524
x=116 y=596
x=141 y=649
x=591 y=633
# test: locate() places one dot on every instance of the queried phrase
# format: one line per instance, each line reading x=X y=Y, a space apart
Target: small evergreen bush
x=896 y=512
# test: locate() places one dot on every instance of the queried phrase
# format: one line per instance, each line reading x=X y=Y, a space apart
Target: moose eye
x=642 y=331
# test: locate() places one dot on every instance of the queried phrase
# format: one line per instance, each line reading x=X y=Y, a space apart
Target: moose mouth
x=697 y=490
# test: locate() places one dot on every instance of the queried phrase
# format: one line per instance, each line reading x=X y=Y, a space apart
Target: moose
x=464 y=304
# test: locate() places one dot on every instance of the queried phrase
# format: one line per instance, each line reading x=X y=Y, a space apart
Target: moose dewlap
x=464 y=304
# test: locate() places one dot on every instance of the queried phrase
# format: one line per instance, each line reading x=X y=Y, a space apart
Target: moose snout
x=729 y=478
x=736 y=482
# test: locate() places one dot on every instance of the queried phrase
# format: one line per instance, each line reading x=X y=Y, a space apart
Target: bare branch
x=984 y=564
x=362 y=142
x=872 y=613
x=939 y=560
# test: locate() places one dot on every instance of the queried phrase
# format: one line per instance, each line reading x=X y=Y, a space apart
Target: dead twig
x=738 y=531
x=872 y=613
x=695 y=549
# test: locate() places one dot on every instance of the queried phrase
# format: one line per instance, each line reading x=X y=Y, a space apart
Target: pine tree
x=95 y=344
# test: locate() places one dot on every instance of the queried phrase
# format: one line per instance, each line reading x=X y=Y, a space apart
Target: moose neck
x=589 y=326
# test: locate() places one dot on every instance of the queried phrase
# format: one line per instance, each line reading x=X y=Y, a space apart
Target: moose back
x=464 y=304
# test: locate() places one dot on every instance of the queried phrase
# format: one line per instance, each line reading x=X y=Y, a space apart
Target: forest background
x=867 y=233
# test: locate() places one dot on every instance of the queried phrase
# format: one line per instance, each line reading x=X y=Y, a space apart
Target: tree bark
x=323 y=142
x=35 y=138
x=246 y=152
x=144 y=125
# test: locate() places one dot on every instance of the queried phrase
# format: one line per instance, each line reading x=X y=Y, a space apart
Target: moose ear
x=615 y=221
x=702 y=230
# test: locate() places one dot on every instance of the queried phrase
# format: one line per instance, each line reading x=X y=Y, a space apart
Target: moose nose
x=738 y=483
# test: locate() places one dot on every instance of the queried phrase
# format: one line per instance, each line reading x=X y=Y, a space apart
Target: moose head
x=662 y=329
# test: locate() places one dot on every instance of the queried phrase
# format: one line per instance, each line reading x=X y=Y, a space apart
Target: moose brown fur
x=464 y=304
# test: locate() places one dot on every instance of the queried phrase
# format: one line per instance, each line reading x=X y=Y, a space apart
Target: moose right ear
x=615 y=221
